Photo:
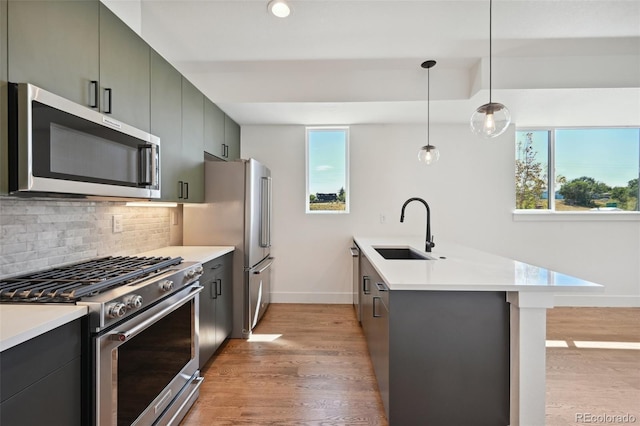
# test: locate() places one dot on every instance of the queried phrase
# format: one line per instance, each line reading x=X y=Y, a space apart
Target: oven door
x=147 y=367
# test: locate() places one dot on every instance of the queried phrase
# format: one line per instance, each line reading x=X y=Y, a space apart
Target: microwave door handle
x=145 y=174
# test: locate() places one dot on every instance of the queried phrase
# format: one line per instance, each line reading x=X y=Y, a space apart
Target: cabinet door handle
x=186 y=190
x=180 y=185
x=216 y=266
x=226 y=151
x=214 y=289
x=375 y=315
x=219 y=287
x=109 y=96
x=365 y=289
x=94 y=85
x=223 y=149
x=381 y=286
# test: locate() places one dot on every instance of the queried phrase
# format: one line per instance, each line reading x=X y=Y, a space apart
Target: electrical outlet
x=117 y=223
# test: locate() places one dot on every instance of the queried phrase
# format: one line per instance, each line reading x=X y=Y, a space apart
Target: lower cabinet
x=215 y=305
x=40 y=379
x=440 y=357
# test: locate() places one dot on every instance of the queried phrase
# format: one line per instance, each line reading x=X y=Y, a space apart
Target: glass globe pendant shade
x=490 y=120
x=428 y=154
x=279 y=8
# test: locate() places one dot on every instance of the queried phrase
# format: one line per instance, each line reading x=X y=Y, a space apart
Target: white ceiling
x=555 y=62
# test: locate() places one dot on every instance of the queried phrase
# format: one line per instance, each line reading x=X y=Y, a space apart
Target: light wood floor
x=317 y=371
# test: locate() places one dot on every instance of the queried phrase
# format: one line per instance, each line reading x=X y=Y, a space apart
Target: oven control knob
x=116 y=310
x=166 y=285
x=199 y=270
x=134 y=301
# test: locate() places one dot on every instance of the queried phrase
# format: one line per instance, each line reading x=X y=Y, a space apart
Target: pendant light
x=492 y=119
x=428 y=154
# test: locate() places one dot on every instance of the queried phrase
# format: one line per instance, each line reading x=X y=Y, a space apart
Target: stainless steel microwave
x=59 y=147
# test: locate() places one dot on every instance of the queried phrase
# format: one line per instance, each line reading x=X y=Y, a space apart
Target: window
x=578 y=169
x=327 y=170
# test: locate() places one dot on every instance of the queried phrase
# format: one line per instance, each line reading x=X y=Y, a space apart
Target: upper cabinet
x=231 y=138
x=124 y=72
x=177 y=114
x=221 y=133
x=192 y=182
x=83 y=52
x=55 y=45
x=213 y=129
x=3 y=98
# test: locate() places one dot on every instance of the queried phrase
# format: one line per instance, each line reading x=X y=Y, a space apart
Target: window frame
x=346 y=129
x=550 y=213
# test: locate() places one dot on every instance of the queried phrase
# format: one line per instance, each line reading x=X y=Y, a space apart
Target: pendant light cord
x=490 y=49
x=428 y=102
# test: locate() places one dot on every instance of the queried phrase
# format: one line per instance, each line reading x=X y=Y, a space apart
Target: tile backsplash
x=38 y=234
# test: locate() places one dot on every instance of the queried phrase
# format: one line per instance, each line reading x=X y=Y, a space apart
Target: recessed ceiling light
x=279 y=8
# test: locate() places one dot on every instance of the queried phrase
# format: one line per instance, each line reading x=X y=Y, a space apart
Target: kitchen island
x=458 y=337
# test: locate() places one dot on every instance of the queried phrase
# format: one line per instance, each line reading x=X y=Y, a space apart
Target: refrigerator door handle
x=265 y=267
x=265 y=212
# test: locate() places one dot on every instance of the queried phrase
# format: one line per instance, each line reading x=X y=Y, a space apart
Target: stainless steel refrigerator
x=237 y=212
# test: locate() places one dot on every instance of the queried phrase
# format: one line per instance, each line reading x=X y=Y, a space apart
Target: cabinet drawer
x=29 y=362
x=54 y=400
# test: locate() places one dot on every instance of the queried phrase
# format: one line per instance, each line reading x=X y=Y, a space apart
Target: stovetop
x=74 y=282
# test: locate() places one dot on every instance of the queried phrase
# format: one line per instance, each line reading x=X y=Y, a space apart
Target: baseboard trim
x=299 y=297
x=598 y=301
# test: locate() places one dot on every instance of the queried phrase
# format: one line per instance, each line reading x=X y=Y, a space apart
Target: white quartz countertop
x=191 y=253
x=19 y=323
x=460 y=268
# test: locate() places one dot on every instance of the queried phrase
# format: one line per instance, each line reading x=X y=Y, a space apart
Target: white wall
x=471 y=195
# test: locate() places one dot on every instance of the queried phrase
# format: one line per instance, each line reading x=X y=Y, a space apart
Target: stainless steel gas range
x=141 y=342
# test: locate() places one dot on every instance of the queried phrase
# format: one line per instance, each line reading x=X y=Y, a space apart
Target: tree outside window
x=593 y=169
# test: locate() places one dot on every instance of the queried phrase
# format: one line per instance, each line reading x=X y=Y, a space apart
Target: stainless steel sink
x=401 y=253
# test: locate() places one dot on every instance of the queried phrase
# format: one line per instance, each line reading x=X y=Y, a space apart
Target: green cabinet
x=215 y=305
x=214 y=117
x=221 y=133
x=231 y=138
x=124 y=72
x=3 y=99
x=55 y=45
x=166 y=123
x=81 y=51
x=177 y=119
x=191 y=185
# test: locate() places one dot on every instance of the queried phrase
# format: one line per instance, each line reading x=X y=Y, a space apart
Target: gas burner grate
x=72 y=282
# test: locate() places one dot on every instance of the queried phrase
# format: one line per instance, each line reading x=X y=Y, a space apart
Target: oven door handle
x=123 y=336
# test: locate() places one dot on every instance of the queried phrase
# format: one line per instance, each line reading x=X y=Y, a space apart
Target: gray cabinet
x=215 y=305
x=40 y=379
x=3 y=99
x=191 y=186
x=436 y=351
x=55 y=45
x=181 y=152
x=222 y=134
x=214 y=117
x=80 y=50
x=124 y=71
x=231 y=138
x=166 y=119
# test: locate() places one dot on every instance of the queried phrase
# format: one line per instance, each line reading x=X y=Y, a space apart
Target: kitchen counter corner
x=19 y=323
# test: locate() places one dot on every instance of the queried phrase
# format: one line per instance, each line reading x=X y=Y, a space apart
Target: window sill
x=588 y=216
